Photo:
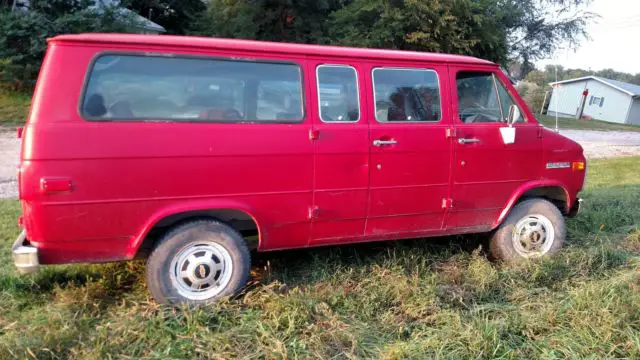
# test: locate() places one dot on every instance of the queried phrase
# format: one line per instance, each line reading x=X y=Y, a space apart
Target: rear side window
x=338 y=93
x=406 y=95
x=132 y=87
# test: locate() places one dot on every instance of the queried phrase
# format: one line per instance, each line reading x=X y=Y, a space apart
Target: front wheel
x=197 y=263
x=533 y=229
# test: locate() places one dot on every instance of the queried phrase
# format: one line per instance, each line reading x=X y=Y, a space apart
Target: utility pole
x=557 y=98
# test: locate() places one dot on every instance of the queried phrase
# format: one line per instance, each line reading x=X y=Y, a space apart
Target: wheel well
x=238 y=220
x=555 y=194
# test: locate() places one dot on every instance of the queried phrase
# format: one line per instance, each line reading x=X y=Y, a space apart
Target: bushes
x=14 y=107
x=533 y=95
x=23 y=37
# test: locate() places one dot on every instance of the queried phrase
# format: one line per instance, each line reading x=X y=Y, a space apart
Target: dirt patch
x=605 y=144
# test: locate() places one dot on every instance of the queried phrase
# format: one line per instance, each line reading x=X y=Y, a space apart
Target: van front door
x=486 y=170
x=410 y=152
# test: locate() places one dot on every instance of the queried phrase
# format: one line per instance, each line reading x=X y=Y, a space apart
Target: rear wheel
x=197 y=263
x=533 y=229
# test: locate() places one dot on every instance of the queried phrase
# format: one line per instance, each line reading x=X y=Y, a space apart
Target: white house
x=597 y=98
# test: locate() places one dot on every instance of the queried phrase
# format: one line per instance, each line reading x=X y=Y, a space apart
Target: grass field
x=410 y=299
x=550 y=121
x=14 y=108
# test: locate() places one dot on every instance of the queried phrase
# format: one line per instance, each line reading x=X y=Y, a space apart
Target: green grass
x=14 y=108
x=550 y=121
x=410 y=299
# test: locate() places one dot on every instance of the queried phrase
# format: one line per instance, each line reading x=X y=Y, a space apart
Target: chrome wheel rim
x=533 y=236
x=201 y=271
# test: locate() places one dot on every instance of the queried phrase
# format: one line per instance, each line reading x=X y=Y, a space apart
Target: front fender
x=188 y=206
x=531 y=185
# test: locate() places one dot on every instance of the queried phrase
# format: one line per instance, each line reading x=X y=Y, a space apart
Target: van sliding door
x=410 y=151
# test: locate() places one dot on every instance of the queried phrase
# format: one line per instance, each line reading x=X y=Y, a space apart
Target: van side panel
x=122 y=174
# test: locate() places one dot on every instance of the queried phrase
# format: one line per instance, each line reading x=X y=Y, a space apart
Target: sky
x=614 y=39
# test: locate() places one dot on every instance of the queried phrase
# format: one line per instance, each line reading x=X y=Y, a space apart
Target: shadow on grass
x=302 y=266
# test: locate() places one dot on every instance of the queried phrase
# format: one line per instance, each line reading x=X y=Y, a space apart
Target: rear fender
x=201 y=205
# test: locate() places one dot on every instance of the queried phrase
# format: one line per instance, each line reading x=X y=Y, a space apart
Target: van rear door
x=341 y=147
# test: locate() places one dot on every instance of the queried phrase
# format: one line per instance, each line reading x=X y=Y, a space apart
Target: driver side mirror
x=514 y=114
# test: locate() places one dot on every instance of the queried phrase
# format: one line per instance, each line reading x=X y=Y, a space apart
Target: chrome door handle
x=468 y=141
x=379 y=143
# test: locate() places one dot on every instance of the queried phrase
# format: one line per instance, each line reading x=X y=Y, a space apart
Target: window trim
x=373 y=88
x=495 y=88
x=97 y=56
x=514 y=101
x=357 y=90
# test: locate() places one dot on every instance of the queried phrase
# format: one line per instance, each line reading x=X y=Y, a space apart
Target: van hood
x=558 y=143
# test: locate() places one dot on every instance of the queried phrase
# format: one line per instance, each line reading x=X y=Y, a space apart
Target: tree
x=56 y=8
x=575 y=73
x=498 y=30
x=302 y=21
x=452 y=26
x=536 y=77
x=538 y=28
x=553 y=73
x=23 y=35
x=548 y=75
x=177 y=17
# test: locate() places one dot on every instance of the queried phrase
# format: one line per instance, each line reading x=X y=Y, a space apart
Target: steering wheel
x=231 y=114
x=476 y=114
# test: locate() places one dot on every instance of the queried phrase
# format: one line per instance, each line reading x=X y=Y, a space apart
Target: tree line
x=497 y=30
x=536 y=83
x=548 y=75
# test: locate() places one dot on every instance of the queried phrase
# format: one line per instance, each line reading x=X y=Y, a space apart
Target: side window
x=137 y=87
x=406 y=95
x=506 y=101
x=338 y=95
x=478 y=100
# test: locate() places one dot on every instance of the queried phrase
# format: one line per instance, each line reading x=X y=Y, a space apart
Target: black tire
x=501 y=244
x=189 y=236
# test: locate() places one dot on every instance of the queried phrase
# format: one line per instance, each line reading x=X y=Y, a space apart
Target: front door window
x=483 y=98
x=478 y=100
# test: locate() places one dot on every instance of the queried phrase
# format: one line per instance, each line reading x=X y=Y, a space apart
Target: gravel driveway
x=597 y=144
x=9 y=155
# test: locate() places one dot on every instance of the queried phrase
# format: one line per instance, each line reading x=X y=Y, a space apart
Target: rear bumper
x=576 y=209
x=25 y=257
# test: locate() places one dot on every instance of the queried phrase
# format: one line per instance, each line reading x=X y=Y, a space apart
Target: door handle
x=468 y=141
x=379 y=143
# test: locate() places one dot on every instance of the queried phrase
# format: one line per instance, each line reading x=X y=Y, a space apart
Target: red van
x=190 y=152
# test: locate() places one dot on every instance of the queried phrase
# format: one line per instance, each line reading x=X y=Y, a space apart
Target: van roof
x=261 y=46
